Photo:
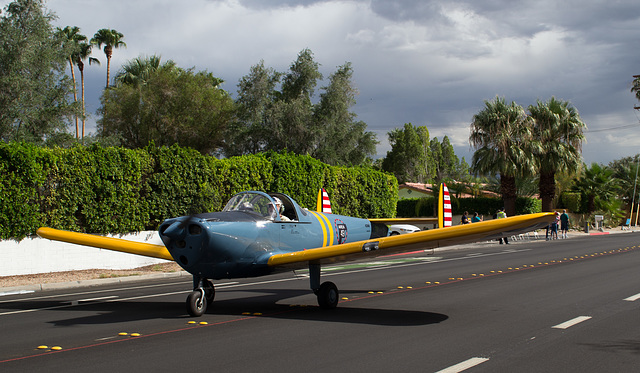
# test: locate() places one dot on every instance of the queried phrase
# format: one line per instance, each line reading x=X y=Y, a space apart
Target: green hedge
x=115 y=190
x=421 y=207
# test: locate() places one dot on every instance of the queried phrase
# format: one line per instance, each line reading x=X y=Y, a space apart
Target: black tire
x=328 y=295
x=394 y=233
x=196 y=303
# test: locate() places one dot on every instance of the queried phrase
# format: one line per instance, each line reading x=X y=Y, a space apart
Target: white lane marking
x=572 y=322
x=464 y=365
x=18 y=292
x=633 y=298
x=76 y=302
x=107 y=291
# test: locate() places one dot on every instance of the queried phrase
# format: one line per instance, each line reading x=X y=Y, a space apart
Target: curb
x=88 y=283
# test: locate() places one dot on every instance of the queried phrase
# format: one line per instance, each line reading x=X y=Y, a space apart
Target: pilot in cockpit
x=279 y=207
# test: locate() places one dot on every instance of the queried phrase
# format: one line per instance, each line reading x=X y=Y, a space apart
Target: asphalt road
x=559 y=306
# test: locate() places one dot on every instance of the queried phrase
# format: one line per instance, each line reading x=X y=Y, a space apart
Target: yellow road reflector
x=191 y=322
x=380 y=292
x=135 y=334
x=56 y=348
x=203 y=323
x=246 y=313
x=345 y=298
x=371 y=292
x=409 y=287
x=123 y=333
x=43 y=347
x=257 y=314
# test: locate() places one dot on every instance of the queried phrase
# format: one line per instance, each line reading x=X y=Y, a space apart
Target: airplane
x=260 y=233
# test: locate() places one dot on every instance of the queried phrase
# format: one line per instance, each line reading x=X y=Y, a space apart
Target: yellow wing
x=116 y=244
x=420 y=240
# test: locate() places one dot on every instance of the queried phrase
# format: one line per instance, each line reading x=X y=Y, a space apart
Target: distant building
x=418 y=190
x=414 y=190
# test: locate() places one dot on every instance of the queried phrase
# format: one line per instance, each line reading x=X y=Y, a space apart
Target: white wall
x=39 y=255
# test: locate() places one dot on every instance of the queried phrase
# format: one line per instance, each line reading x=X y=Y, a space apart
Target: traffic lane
x=359 y=319
x=608 y=341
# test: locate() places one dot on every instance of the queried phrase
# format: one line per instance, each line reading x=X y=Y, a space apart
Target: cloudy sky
x=430 y=63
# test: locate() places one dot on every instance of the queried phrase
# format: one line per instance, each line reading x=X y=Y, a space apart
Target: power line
x=612 y=128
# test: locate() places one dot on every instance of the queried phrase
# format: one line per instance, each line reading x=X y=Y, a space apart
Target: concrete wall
x=38 y=255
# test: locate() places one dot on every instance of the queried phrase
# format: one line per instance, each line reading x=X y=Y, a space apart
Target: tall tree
x=556 y=143
x=597 y=186
x=272 y=119
x=111 y=39
x=342 y=139
x=83 y=53
x=635 y=86
x=257 y=93
x=410 y=158
x=291 y=118
x=33 y=86
x=173 y=106
x=73 y=37
x=499 y=133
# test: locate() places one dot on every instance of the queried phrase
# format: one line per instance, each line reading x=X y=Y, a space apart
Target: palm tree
x=499 y=134
x=72 y=36
x=598 y=185
x=138 y=71
x=556 y=144
x=111 y=39
x=83 y=53
x=635 y=88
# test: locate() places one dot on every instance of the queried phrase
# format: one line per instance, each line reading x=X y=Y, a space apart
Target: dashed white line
x=572 y=322
x=633 y=298
x=464 y=365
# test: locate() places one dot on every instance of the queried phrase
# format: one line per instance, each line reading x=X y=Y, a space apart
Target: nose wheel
x=200 y=298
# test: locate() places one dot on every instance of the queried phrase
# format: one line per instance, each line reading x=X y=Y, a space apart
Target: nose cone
x=185 y=239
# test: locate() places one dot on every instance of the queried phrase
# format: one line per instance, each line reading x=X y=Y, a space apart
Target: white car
x=402 y=229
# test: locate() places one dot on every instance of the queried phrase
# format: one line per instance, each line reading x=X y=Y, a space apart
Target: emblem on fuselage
x=341 y=231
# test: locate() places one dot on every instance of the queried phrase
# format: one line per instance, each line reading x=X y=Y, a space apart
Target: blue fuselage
x=236 y=243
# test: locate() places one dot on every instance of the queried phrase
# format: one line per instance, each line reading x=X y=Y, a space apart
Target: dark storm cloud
x=430 y=63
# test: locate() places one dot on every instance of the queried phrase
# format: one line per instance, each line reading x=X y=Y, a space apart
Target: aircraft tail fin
x=445 y=216
x=323 y=204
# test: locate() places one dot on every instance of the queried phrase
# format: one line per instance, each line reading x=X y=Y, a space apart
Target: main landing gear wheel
x=327 y=295
x=197 y=303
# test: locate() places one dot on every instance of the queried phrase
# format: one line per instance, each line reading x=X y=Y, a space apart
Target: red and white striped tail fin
x=445 y=215
x=323 y=204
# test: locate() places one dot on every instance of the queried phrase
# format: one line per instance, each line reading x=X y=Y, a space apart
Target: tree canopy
x=34 y=90
x=275 y=111
x=166 y=105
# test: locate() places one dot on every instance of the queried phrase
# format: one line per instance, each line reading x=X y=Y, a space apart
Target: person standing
x=554 y=227
x=501 y=215
x=465 y=218
x=564 y=224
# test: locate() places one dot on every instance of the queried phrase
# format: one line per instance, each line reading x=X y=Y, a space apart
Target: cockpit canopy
x=276 y=206
x=256 y=203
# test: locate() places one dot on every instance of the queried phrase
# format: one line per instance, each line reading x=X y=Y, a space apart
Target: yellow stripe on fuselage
x=327 y=230
x=329 y=226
